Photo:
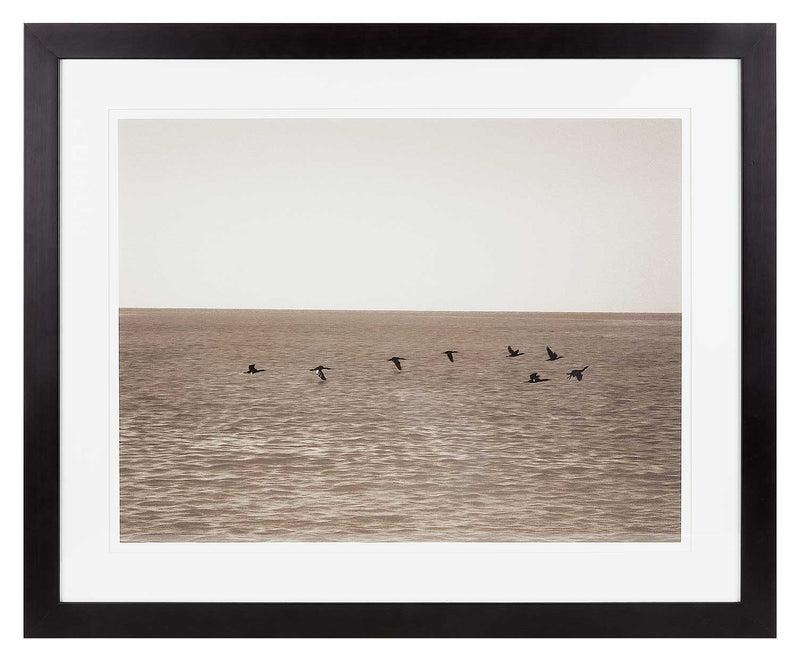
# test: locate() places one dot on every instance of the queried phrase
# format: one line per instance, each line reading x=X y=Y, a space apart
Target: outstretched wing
x=321 y=375
x=551 y=353
x=510 y=350
x=251 y=367
x=579 y=376
x=450 y=356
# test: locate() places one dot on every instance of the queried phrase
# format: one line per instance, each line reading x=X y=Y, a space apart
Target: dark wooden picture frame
x=46 y=615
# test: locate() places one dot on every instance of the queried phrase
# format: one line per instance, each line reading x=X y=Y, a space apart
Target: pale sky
x=401 y=214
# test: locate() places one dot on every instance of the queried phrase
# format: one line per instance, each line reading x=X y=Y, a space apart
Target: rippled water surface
x=463 y=451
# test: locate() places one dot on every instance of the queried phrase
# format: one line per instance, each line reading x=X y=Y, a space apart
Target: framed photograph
x=400 y=330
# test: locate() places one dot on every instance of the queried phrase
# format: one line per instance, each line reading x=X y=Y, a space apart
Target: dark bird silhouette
x=251 y=369
x=318 y=371
x=449 y=353
x=396 y=361
x=552 y=355
x=578 y=374
x=513 y=352
x=535 y=378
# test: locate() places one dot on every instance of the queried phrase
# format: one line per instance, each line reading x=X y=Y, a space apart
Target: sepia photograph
x=400 y=329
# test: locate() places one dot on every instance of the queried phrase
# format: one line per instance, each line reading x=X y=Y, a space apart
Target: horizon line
x=148 y=307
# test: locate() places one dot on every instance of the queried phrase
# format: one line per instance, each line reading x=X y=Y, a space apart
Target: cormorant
x=449 y=353
x=396 y=361
x=251 y=369
x=535 y=378
x=578 y=374
x=513 y=352
x=552 y=355
x=318 y=371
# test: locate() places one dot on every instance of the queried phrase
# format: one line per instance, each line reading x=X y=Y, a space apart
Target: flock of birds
x=319 y=370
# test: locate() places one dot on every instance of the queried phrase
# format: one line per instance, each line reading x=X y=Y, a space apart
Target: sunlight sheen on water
x=440 y=451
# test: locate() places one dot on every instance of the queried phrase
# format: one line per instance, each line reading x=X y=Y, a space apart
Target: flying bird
x=318 y=371
x=552 y=355
x=251 y=369
x=396 y=361
x=535 y=378
x=513 y=352
x=449 y=353
x=578 y=374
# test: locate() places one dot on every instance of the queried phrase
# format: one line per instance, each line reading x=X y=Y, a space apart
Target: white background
x=421 y=10
x=704 y=568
